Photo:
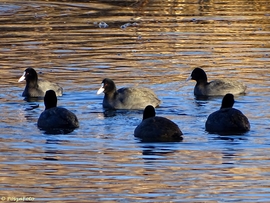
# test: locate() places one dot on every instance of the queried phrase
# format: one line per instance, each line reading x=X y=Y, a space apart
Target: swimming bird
x=54 y=117
x=156 y=128
x=126 y=98
x=228 y=119
x=35 y=87
x=218 y=87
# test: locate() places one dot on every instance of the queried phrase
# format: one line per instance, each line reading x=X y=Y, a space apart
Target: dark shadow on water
x=160 y=140
x=113 y=112
x=207 y=98
x=34 y=99
x=230 y=135
x=235 y=136
x=202 y=98
x=231 y=147
x=57 y=131
x=152 y=149
x=155 y=151
x=230 y=156
x=230 y=138
x=50 y=159
x=31 y=106
x=109 y=113
x=31 y=103
x=53 y=147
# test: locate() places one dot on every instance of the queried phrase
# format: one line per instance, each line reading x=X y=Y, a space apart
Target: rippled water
x=149 y=43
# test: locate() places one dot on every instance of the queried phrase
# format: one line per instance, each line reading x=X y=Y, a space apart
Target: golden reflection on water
x=164 y=41
x=95 y=175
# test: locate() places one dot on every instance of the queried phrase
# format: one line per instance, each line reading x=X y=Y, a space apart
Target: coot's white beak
x=101 y=89
x=22 y=78
x=189 y=78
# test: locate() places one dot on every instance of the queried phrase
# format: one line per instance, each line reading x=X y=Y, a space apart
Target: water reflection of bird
x=152 y=151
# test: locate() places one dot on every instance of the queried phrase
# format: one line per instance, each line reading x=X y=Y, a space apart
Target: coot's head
x=149 y=112
x=227 y=101
x=50 y=99
x=107 y=86
x=29 y=75
x=199 y=75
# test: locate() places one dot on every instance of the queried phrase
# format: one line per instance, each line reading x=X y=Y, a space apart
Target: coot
x=35 y=87
x=156 y=128
x=126 y=98
x=56 y=117
x=228 y=119
x=218 y=87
